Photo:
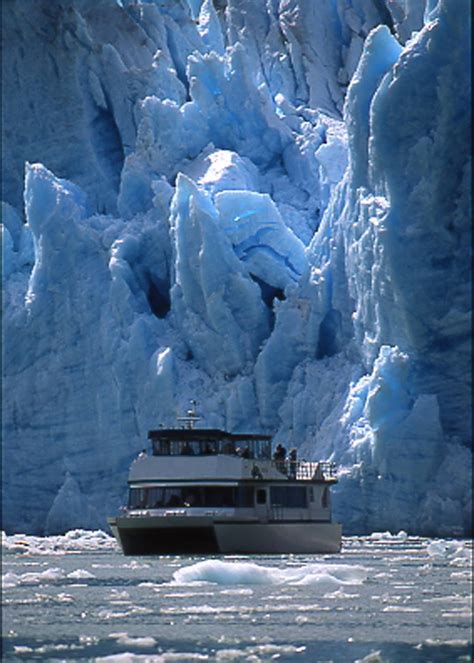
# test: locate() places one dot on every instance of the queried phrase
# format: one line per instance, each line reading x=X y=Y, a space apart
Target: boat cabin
x=209 y=442
x=208 y=490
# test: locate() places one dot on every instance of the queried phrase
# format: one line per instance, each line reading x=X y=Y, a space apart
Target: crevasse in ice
x=261 y=205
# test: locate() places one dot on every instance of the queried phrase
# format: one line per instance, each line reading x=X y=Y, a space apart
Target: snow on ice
x=264 y=206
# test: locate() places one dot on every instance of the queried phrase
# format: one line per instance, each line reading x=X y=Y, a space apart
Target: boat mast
x=191 y=416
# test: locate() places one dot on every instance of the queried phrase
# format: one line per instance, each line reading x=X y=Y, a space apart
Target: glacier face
x=261 y=205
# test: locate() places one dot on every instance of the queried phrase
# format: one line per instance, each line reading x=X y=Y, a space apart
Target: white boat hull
x=155 y=535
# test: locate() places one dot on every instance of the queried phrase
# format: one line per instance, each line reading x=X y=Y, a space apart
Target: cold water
x=384 y=598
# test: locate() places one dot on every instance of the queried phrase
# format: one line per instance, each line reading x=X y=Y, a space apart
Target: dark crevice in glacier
x=158 y=297
x=269 y=293
x=330 y=333
x=177 y=60
x=107 y=144
x=385 y=15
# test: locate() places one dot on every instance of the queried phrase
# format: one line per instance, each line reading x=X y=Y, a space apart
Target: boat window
x=227 y=447
x=155 y=498
x=161 y=447
x=138 y=498
x=186 y=448
x=173 y=497
x=263 y=449
x=259 y=449
x=261 y=496
x=207 y=447
x=219 y=496
x=248 y=448
x=325 y=498
x=244 y=497
x=292 y=497
x=191 y=497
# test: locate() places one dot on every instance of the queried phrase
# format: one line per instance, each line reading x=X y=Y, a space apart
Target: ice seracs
x=280 y=225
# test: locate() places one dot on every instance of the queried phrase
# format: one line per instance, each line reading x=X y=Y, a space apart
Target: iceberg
x=262 y=205
x=323 y=576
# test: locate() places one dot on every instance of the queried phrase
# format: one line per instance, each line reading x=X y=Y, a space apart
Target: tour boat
x=208 y=491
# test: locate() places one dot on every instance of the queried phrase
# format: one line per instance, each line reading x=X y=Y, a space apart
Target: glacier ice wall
x=262 y=205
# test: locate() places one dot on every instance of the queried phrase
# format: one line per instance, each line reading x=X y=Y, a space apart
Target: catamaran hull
x=184 y=535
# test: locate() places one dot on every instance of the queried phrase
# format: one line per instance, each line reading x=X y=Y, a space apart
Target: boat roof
x=202 y=434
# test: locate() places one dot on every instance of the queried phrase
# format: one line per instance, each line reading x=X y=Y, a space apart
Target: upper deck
x=213 y=454
x=209 y=442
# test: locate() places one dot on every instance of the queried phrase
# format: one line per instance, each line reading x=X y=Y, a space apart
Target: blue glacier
x=264 y=205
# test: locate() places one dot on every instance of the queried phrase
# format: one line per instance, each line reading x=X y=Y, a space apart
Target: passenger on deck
x=187 y=450
x=318 y=474
x=279 y=456
x=189 y=500
x=174 y=500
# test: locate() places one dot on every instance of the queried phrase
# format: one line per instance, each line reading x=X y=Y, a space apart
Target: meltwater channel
x=384 y=598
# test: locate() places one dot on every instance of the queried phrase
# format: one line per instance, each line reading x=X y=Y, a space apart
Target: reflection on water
x=385 y=598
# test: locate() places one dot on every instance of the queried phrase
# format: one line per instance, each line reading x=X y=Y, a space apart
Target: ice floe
x=324 y=576
x=77 y=540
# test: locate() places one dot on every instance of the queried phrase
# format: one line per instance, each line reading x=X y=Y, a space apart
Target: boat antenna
x=191 y=416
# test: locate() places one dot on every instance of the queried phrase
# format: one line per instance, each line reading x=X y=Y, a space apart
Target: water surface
x=384 y=598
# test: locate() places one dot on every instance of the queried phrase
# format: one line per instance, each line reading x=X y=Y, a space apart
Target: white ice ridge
x=74 y=541
x=456 y=553
x=266 y=210
x=388 y=536
x=52 y=575
x=325 y=577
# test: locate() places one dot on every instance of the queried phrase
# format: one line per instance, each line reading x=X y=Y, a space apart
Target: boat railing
x=306 y=470
x=277 y=512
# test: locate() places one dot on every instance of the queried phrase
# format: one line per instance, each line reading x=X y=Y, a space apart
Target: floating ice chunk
x=129 y=641
x=275 y=650
x=73 y=541
x=166 y=657
x=440 y=550
x=80 y=574
x=224 y=573
x=340 y=594
x=10 y=580
x=462 y=575
x=388 y=536
x=323 y=576
x=372 y=657
x=51 y=575
x=400 y=608
x=124 y=657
